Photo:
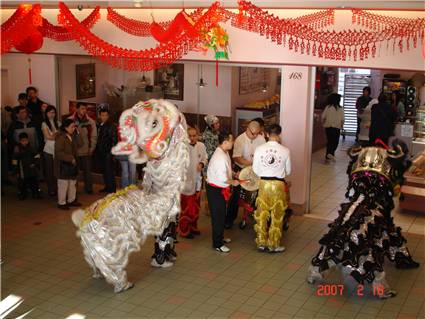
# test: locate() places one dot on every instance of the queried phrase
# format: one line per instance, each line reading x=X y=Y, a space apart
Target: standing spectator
x=50 y=128
x=219 y=179
x=191 y=193
x=25 y=162
x=210 y=135
x=365 y=123
x=67 y=143
x=87 y=129
x=333 y=121
x=34 y=105
x=106 y=139
x=398 y=106
x=22 y=124
x=361 y=103
x=382 y=120
x=128 y=171
x=243 y=154
x=7 y=119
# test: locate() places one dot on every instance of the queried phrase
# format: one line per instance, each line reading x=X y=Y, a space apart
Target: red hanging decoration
x=181 y=23
x=20 y=26
x=139 y=60
x=59 y=33
x=32 y=43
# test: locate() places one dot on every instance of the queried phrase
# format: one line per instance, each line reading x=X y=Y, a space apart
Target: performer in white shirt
x=243 y=153
x=190 y=197
x=219 y=179
x=272 y=164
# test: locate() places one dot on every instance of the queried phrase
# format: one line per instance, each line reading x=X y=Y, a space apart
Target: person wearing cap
x=272 y=164
x=190 y=195
x=243 y=154
x=210 y=135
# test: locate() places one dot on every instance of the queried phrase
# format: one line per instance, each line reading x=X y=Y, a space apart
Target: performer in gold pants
x=272 y=202
x=271 y=163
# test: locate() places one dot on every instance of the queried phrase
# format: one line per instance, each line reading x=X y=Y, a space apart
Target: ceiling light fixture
x=138 y=3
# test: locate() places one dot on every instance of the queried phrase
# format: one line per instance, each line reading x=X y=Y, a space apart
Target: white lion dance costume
x=115 y=226
x=364 y=232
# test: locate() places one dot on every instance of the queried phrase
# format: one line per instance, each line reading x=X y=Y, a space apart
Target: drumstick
x=244 y=181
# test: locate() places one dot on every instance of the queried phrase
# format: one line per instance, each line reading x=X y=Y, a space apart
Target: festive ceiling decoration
x=20 y=27
x=181 y=23
x=60 y=33
x=341 y=45
x=139 y=60
x=304 y=35
x=142 y=28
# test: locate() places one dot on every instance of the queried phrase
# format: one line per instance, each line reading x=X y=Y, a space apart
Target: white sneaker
x=165 y=264
x=227 y=240
x=279 y=249
x=332 y=158
x=223 y=249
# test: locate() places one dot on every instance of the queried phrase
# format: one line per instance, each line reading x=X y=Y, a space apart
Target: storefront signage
x=296 y=76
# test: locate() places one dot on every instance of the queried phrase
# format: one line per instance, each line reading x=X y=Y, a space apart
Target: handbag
x=67 y=169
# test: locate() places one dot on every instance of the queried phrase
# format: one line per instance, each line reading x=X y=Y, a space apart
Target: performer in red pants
x=191 y=194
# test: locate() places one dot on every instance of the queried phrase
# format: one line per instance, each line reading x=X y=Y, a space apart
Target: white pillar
x=296 y=119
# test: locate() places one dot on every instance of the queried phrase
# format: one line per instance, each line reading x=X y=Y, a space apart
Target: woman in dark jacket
x=67 y=143
x=382 y=120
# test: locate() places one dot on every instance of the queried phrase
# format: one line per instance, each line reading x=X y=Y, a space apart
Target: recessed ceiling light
x=138 y=3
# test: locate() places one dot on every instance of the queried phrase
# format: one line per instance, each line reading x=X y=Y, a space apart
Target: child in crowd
x=25 y=160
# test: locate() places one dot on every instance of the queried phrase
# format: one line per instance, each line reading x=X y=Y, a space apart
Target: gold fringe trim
x=94 y=211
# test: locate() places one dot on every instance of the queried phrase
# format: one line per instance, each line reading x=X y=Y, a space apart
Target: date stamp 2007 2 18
x=338 y=290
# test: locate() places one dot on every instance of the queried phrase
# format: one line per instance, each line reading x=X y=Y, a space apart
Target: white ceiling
x=376 y=4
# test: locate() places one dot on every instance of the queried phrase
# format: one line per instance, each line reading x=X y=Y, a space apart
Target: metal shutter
x=353 y=88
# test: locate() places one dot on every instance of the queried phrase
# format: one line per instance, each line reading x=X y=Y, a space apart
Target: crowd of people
x=37 y=146
x=40 y=147
x=376 y=119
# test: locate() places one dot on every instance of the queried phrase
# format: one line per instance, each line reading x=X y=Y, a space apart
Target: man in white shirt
x=190 y=197
x=272 y=164
x=219 y=179
x=243 y=153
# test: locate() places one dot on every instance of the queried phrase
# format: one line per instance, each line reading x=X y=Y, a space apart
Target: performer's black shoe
x=188 y=236
x=195 y=232
x=63 y=207
x=406 y=263
x=75 y=204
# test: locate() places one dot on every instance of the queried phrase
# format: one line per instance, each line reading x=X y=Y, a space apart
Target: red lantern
x=30 y=44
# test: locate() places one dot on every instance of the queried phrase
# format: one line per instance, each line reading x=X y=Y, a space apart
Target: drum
x=249 y=182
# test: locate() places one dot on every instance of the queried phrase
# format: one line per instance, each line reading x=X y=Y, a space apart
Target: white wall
x=245 y=47
x=43 y=76
x=296 y=113
x=214 y=100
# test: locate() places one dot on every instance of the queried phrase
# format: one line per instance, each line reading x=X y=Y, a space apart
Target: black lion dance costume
x=364 y=232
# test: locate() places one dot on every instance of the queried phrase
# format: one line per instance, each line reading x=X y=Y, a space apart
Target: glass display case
x=418 y=143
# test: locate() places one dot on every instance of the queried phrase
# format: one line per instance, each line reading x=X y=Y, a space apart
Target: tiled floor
x=328 y=187
x=43 y=263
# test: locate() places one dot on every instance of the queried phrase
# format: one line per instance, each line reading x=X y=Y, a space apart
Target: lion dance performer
x=115 y=226
x=272 y=164
x=364 y=232
x=191 y=193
